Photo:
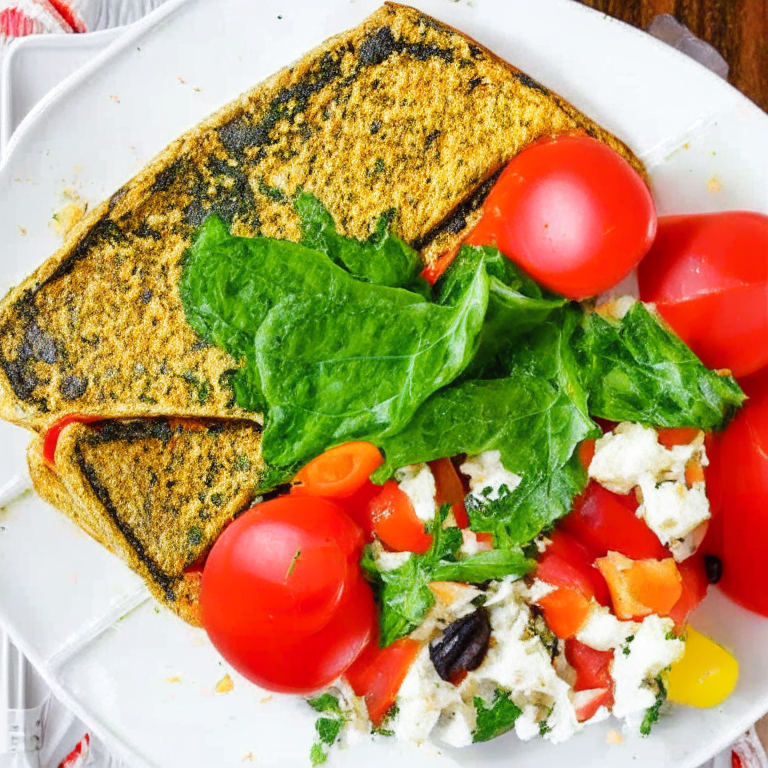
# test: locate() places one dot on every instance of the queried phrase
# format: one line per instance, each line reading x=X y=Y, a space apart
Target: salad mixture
x=493 y=500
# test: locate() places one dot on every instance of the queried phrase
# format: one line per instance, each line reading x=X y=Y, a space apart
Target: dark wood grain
x=737 y=28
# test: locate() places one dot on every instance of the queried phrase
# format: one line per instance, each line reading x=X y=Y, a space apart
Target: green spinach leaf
x=383 y=258
x=636 y=370
x=496 y=719
x=356 y=362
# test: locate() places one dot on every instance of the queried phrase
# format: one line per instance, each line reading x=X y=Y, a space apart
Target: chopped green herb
x=652 y=713
x=496 y=719
x=544 y=728
x=327 y=727
x=275 y=194
x=625 y=649
x=403 y=593
x=217 y=499
x=195 y=535
x=243 y=463
x=293 y=564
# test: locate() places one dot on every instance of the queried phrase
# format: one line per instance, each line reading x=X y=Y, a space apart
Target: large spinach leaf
x=403 y=593
x=516 y=304
x=356 y=361
x=535 y=418
x=636 y=370
x=383 y=258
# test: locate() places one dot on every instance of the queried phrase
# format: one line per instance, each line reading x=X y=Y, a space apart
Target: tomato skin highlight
x=341 y=471
x=283 y=598
x=52 y=434
x=605 y=521
x=378 y=673
x=708 y=276
x=572 y=212
x=395 y=522
x=743 y=519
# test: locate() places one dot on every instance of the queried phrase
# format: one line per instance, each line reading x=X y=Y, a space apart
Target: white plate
x=61 y=594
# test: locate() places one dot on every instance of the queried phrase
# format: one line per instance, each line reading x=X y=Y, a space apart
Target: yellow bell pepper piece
x=705 y=675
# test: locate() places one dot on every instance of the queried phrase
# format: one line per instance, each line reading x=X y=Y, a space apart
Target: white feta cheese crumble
x=487 y=474
x=417 y=482
x=386 y=560
x=672 y=510
x=626 y=454
x=649 y=652
x=603 y=631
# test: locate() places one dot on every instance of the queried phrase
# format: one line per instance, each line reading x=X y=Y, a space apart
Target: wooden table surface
x=738 y=29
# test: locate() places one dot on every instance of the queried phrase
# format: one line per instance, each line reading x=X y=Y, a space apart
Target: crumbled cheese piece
x=603 y=631
x=684 y=548
x=672 y=510
x=487 y=474
x=386 y=560
x=625 y=455
x=615 y=306
x=638 y=662
x=455 y=727
x=417 y=482
x=537 y=590
x=470 y=544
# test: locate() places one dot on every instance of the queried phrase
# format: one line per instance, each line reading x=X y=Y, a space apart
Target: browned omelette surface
x=401 y=112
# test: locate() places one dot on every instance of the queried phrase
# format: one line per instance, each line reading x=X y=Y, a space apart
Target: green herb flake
x=243 y=463
x=195 y=535
x=652 y=713
x=625 y=649
x=275 y=194
x=496 y=719
x=327 y=727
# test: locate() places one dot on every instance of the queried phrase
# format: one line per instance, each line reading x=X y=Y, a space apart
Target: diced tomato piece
x=588 y=702
x=450 y=489
x=378 y=673
x=358 y=507
x=395 y=522
x=586 y=452
x=641 y=587
x=605 y=521
x=581 y=558
x=593 y=668
x=341 y=471
x=567 y=607
x=669 y=437
x=51 y=439
x=694 y=584
x=485 y=538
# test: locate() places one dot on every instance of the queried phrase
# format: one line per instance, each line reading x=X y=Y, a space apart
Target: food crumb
x=265 y=699
x=197 y=90
x=115 y=99
x=22 y=230
x=614 y=737
x=65 y=219
x=173 y=679
x=714 y=185
x=247 y=757
x=182 y=80
x=225 y=685
x=687 y=145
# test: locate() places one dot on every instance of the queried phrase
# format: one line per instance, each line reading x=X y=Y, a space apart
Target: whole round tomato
x=285 y=573
x=708 y=276
x=572 y=212
x=743 y=525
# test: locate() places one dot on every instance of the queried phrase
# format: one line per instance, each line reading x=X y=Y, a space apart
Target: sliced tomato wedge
x=580 y=557
x=450 y=489
x=695 y=585
x=51 y=439
x=589 y=701
x=395 y=522
x=593 y=668
x=378 y=673
x=604 y=521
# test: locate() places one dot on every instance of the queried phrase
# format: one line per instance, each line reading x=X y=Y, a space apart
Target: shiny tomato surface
x=743 y=523
x=572 y=212
x=282 y=576
x=395 y=522
x=708 y=276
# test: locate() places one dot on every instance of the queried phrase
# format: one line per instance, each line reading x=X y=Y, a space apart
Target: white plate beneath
x=62 y=594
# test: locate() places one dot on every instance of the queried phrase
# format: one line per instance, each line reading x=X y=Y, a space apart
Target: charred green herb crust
x=401 y=113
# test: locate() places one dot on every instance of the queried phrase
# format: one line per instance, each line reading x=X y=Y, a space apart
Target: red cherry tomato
x=284 y=664
x=593 y=668
x=743 y=459
x=708 y=276
x=695 y=585
x=577 y=555
x=572 y=213
x=51 y=439
x=284 y=572
x=605 y=521
x=378 y=673
x=395 y=522
x=358 y=507
x=450 y=489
